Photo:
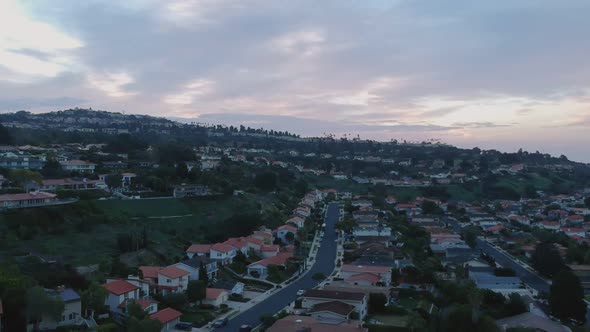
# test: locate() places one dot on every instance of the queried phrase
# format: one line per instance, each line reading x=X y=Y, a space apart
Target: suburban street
x=324 y=263
x=529 y=277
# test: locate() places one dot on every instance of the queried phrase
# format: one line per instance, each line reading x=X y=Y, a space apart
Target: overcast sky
x=493 y=74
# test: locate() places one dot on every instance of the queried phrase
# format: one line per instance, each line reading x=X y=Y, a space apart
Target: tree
x=52 y=168
x=459 y=319
x=22 y=177
x=40 y=304
x=416 y=323
x=377 y=302
x=515 y=305
x=587 y=201
x=470 y=235
x=5 y=137
x=430 y=207
x=114 y=180
x=266 y=181
x=93 y=297
x=144 y=325
x=196 y=291
x=135 y=310
x=289 y=237
x=546 y=259
x=203 y=276
x=566 y=297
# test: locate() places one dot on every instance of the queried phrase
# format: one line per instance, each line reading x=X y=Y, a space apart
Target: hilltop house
x=193 y=265
x=260 y=269
x=223 y=253
x=172 y=279
x=216 y=296
x=283 y=230
x=168 y=317
x=366 y=275
x=198 y=250
x=118 y=292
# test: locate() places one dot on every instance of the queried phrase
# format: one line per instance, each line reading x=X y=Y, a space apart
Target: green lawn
x=198 y=318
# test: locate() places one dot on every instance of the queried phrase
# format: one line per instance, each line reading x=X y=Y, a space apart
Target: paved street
x=324 y=263
x=527 y=276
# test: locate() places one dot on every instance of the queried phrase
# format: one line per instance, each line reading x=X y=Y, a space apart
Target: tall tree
x=40 y=304
x=546 y=259
x=203 y=275
x=93 y=298
x=566 y=297
x=196 y=291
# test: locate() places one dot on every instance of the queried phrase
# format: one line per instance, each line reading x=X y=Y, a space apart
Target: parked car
x=300 y=292
x=245 y=328
x=184 y=326
x=220 y=322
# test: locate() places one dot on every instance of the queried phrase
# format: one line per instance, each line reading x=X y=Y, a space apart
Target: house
x=216 y=296
x=168 y=317
x=71 y=184
x=190 y=191
x=309 y=323
x=25 y=200
x=265 y=236
x=260 y=269
x=127 y=178
x=297 y=221
x=193 y=266
x=80 y=166
x=254 y=243
x=283 y=230
x=366 y=275
x=269 y=250
x=148 y=306
x=409 y=209
x=583 y=273
x=569 y=231
x=118 y=292
x=531 y=321
x=314 y=297
x=240 y=244
x=198 y=250
x=150 y=273
x=117 y=165
x=223 y=253
x=302 y=211
x=72 y=314
x=172 y=279
x=334 y=312
x=550 y=225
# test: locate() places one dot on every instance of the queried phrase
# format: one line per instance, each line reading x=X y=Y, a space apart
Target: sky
x=498 y=74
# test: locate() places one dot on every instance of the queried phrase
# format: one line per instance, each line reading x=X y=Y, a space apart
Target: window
x=168 y=280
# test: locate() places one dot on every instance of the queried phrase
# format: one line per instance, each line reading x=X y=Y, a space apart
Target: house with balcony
x=193 y=266
x=120 y=291
x=223 y=253
x=80 y=166
x=172 y=279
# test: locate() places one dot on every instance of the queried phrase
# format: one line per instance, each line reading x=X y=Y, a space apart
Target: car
x=300 y=292
x=245 y=328
x=184 y=326
x=220 y=322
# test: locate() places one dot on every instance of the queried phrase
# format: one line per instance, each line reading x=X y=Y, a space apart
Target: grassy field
x=170 y=225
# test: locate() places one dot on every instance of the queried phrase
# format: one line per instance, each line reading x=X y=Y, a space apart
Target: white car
x=300 y=292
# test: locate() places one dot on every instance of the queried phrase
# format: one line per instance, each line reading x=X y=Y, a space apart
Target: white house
x=199 y=250
x=260 y=269
x=193 y=265
x=283 y=230
x=574 y=231
x=297 y=221
x=120 y=291
x=223 y=253
x=216 y=296
x=172 y=279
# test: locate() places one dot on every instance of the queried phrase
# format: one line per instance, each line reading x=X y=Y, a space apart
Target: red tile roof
x=119 y=287
x=238 y=243
x=287 y=227
x=214 y=293
x=143 y=304
x=150 y=271
x=199 y=248
x=173 y=272
x=279 y=259
x=373 y=278
x=269 y=248
x=263 y=234
x=166 y=315
x=255 y=241
x=26 y=196
x=222 y=247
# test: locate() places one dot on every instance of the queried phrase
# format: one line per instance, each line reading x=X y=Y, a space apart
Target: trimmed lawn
x=198 y=318
x=409 y=303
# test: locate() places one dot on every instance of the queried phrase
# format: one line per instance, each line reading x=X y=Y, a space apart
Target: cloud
x=423 y=66
x=113 y=84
